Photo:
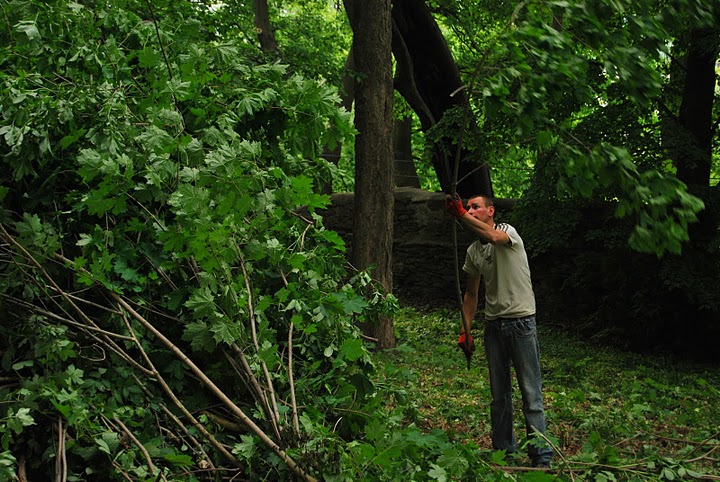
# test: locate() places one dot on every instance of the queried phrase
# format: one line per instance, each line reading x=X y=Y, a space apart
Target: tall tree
x=690 y=132
x=374 y=183
x=429 y=80
x=263 y=28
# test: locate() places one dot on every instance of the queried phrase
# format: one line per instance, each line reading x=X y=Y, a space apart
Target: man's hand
x=454 y=206
x=469 y=339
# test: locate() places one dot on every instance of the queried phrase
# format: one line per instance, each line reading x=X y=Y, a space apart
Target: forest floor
x=611 y=414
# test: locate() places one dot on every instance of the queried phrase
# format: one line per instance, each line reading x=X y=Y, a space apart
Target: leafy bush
x=175 y=304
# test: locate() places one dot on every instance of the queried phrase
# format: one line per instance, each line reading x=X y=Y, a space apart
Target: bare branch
x=237 y=411
x=207 y=461
x=256 y=389
x=61 y=455
x=62 y=319
x=253 y=330
x=296 y=421
x=140 y=446
x=196 y=423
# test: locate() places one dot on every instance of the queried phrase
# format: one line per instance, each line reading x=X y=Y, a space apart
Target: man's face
x=477 y=209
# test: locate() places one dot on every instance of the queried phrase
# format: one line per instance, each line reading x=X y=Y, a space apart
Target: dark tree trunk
x=262 y=26
x=688 y=135
x=428 y=78
x=374 y=184
x=693 y=147
x=405 y=173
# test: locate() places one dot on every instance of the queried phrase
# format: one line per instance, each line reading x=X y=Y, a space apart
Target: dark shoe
x=541 y=465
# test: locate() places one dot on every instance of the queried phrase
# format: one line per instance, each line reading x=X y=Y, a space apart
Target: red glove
x=461 y=342
x=454 y=207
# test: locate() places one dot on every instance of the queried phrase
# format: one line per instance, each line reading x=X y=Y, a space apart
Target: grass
x=612 y=415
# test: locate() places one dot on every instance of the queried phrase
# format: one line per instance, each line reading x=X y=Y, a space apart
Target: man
x=498 y=257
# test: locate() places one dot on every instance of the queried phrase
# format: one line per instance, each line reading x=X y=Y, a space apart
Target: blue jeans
x=513 y=342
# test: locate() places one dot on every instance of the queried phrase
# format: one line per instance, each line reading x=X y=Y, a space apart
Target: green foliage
x=580 y=84
x=150 y=151
x=661 y=204
x=168 y=167
x=583 y=93
x=315 y=37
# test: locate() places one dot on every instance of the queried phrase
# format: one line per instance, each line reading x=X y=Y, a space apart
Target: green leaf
x=364 y=452
x=498 y=458
x=65 y=410
x=199 y=336
x=179 y=89
x=103 y=446
x=352 y=349
x=29 y=28
x=225 y=331
x=246 y=449
x=7 y=466
x=334 y=239
x=17 y=421
x=437 y=473
x=72 y=138
x=22 y=364
x=202 y=302
x=456 y=464
x=85 y=239
x=126 y=272
x=149 y=57
x=182 y=460
x=75 y=375
x=268 y=354
x=108 y=442
x=351 y=302
x=544 y=139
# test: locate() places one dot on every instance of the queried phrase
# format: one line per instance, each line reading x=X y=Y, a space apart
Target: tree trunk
x=374 y=199
x=688 y=135
x=693 y=141
x=405 y=173
x=262 y=26
x=429 y=80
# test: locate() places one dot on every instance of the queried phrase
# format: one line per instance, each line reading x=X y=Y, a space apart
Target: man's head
x=482 y=208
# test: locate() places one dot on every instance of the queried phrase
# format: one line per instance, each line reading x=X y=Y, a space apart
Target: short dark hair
x=489 y=200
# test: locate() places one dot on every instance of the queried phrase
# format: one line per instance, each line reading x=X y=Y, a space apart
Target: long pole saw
x=465 y=322
x=458 y=288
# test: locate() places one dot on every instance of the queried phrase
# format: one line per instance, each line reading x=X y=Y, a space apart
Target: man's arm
x=485 y=231
x=470 y=299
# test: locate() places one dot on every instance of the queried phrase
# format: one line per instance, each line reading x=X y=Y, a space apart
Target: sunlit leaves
x=17 y=421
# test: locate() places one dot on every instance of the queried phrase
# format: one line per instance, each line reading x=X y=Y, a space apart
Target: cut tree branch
x=237 y=411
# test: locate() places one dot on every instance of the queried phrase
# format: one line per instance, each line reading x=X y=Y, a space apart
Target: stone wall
x=423 y=260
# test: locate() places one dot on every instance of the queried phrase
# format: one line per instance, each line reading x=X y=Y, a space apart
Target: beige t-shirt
x=506 y=273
